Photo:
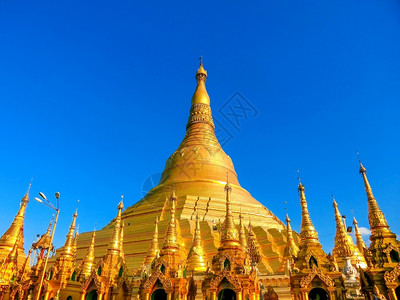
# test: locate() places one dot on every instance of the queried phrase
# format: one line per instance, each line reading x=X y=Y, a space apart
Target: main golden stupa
x=199 y=235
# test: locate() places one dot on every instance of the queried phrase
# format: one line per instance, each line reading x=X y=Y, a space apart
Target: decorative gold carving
x=306 y=280
x=158 y=275
x=391 y=276
x=229 y=276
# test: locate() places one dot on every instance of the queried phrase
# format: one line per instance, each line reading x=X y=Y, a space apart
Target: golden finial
x=229 y=237
x=242 y=232
x=9 y=238
x=114 y=247
x=68 y=249
x=359 y=240
x=377 y=220
x=344 y=246
x=291 y=248
x=88 y=260
x=201 y=95
x=154 y=250
x=171 y=237
x=196 y=260
x=307 y=232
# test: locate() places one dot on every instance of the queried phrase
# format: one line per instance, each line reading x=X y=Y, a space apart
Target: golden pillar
x=146 y=296
x=332 y=294
x=304 y=294
x=392 y=293
x=100 y=296
x=239 y=295
x=169 y=296
x=83 y=296
x=46 y=296
x=213 y=295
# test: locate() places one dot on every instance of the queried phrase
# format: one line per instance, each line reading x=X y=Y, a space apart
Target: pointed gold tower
x=8 y=239
x=114 y=246
x=344 y=247
x=381 y=236
x=171 y=237
x=242 y=233
x=377 y=222
x=196 y=260
x=88 y=260
x=308 y=234
x=229 y=236
x=291 y=248
x=65 y=263
x=310 y=249
x=360 y=242
x=153 y=252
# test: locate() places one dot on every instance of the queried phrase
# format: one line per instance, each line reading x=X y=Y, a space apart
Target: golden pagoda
x=186 y=239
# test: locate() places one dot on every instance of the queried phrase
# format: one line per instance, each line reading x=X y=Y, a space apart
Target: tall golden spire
x=308 y=233
x=360 y=242
x=171 y=236
x=87 y=263
x=68 y=249
x=242 y=233
x=196 y=260
x=229 y=237
x=291 y=247
x=114 y=247
x=376 y=218
x=343 y=243
x=154 y=250
x=9 y=238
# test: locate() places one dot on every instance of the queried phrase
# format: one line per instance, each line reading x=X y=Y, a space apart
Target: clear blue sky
x=95 y=97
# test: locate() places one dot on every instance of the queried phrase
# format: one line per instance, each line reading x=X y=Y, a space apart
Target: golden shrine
x=190 y=238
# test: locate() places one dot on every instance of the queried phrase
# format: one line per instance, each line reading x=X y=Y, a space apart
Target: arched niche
x=318 y=294
x=92 y=295
x=226 y=294
x=159 y=294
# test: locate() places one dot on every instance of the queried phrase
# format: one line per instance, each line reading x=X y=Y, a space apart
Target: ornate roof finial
x=291 y=247
x=68 y=249
x=114 y=247
x=171 y=236
x=201 y=95
x=308 y=232
x=359 y=240
x=87 y=263
x=154 y=250
x=242 y=232
x=343 y=243
x=229 y=237
x=376 y=218
x=9 y=238
x=196 y=260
